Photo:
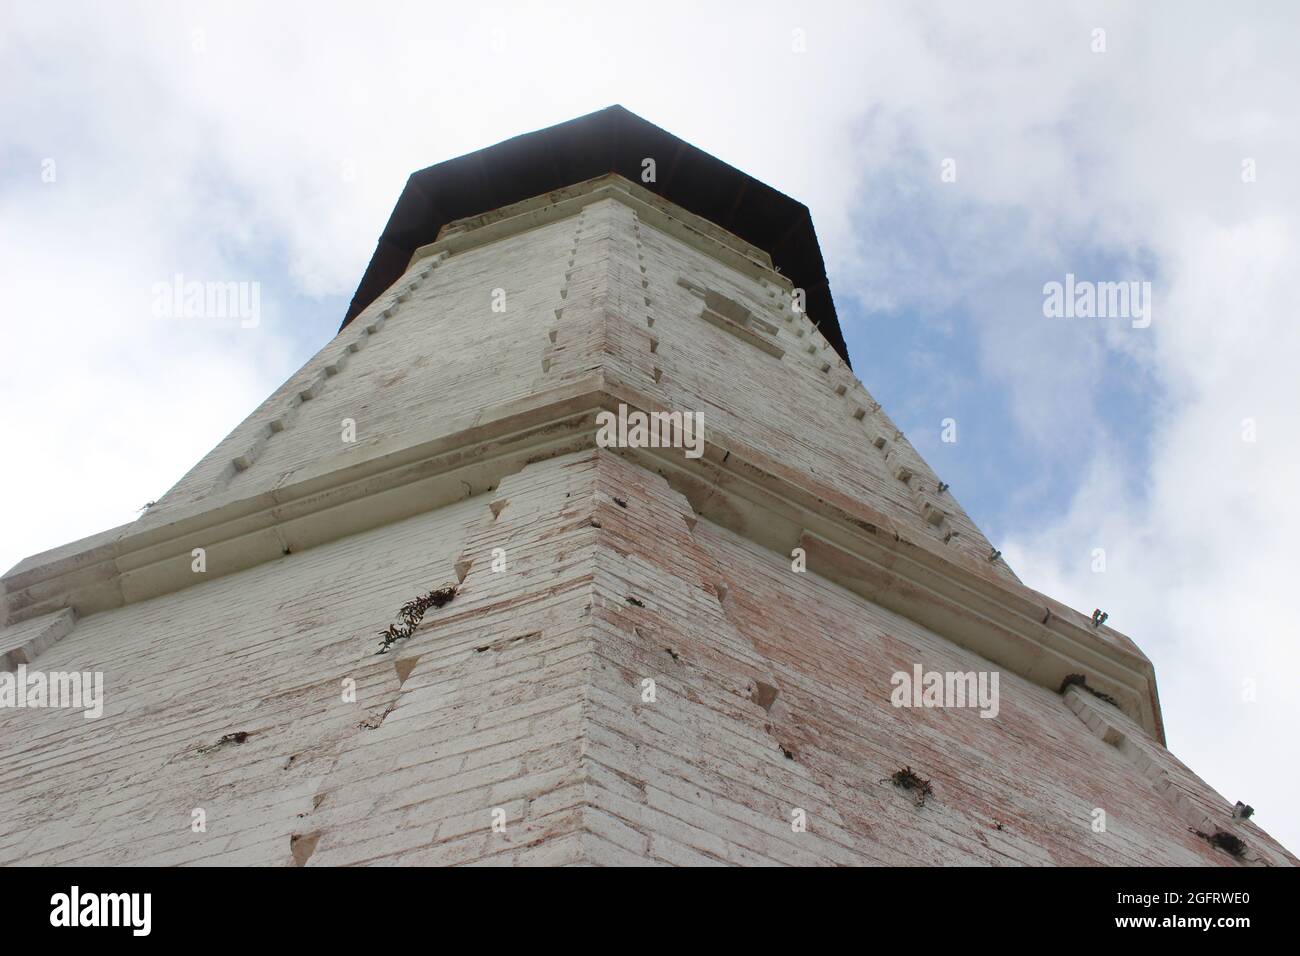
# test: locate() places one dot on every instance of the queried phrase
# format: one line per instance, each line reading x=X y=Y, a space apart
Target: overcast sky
x=268 y=143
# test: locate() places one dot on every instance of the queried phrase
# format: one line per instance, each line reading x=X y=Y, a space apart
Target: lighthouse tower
x=580 y=542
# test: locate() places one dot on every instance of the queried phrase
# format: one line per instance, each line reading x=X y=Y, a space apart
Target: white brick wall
x=524 y=692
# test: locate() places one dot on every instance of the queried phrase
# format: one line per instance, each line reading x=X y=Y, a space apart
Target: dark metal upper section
x=611 y=140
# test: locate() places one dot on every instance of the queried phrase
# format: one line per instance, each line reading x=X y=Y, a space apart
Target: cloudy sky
x=268 y=143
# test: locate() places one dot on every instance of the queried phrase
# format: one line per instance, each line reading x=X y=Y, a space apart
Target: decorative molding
x=698 y=233
x=847 y=542
x=24 y=643
x=742 y=332
x=731 y=316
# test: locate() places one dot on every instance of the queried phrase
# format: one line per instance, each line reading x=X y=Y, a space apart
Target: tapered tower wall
x=648 y=657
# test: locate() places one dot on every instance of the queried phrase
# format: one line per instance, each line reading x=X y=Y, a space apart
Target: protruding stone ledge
x=742 y=333
x=307 y=508
x=511 y=220
x=776 y=506
x=973 y=615
x=23 y=643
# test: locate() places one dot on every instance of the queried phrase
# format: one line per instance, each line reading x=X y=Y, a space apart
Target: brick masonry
x=580 y=576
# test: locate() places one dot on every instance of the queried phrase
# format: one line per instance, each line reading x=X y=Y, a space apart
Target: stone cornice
x=846 y=541
x=698 y=233
x=610 y=141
